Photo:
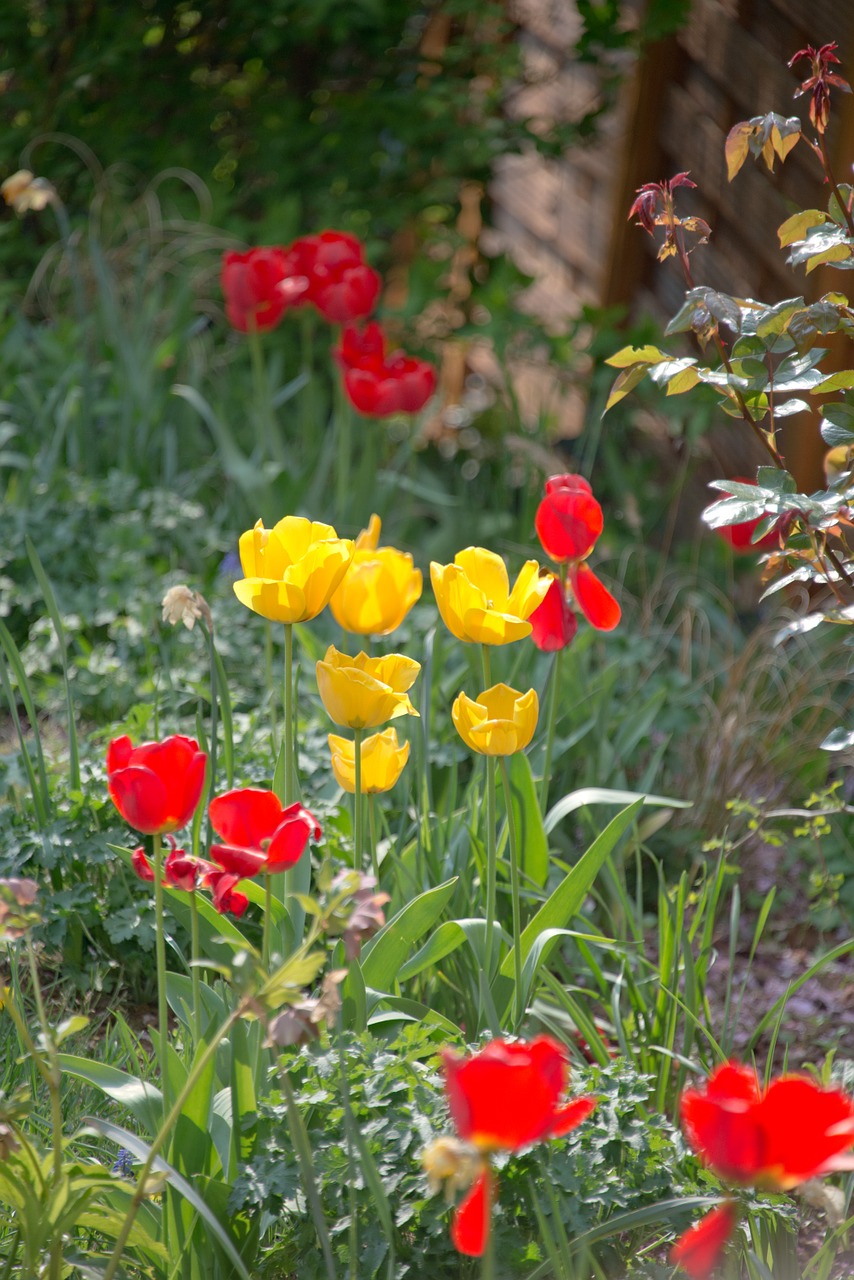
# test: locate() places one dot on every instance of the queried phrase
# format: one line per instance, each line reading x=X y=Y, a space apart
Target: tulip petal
x=487 y=571
x=471 y=1223
x=242 y=863
x=699 y=1249
x=246 y=816
x=141 y=798
x=571 y=1116
x=594 y=599
x=277 y=601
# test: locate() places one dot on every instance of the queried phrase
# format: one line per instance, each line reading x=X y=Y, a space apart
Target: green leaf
x=602 y=795
x=796 y=227
x=354 y=1001
x=626 y=382
x=143 y=1100
x=838 y=739
x=568 y=897
x=383 y=956
x=842 y=381
x=446 y=939
x=131 y=1142
x=627 y=357
x=528 y=821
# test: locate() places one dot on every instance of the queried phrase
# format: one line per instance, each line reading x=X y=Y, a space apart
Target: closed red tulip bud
x=569 y=519
x=156 y=786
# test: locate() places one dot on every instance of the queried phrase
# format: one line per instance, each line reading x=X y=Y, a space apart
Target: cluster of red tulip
x=569 y=521
x=328 y=271
x=156 y=788
x=508 y=1096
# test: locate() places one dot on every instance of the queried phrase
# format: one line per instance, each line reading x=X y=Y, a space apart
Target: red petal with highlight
x=554 y=623
x=246 y=817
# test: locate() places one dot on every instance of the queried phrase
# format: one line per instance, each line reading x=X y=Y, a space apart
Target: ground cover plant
x=386 y=883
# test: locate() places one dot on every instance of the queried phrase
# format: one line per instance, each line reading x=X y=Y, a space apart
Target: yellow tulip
x=364 y=692
x=382 y=761
x=475 y=600
x=378 y=589
x=499 y=722
x=291 y=570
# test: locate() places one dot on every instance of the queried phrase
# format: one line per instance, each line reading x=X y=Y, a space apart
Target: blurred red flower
x=568 y=522
x=699 y=1249
x=503 y=1098
x=259 y=835
x=508 y=1095
x=378 y=384
x=776 y=1138
x=156 y=786
x=257 y=287
x=554 y=622
x=339 y=282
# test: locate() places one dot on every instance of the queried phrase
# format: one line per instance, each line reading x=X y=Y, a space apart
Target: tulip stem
x=491 y=853
x=288 y=797
x=343 y=452
x=551 y=726
x=160 y=960
x=268 y=673
x=514 y=891
x=196 y=973
x=372 y=823
x=357 y=800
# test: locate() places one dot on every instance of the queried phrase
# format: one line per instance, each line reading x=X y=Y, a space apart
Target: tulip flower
x=259 y=834
x=252 y=283
x=227 y=899
x=291 y=570
x=340 y=284
x=180 y=870
x=364 y=692
x=503 y=1098
x=699 y=1250
x=382 y=761
x=568 y=522
x=554 y=622
x=475 y=600
x=379 y=588
x=379 y=384
x=156 y=786
x=746 y=1134
x=499 y=722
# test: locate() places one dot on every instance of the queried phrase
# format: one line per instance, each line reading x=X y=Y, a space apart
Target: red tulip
x=569 y=519
x=504 y=1098
x=258 y=286
x=360 y=346
x=348 y=295
x=508 y=1095
x=259 y=834
x=554 y=622
x=777 y=1138
x=699 y=1249
x=339 y=282
x=225 y=897
x=568 y=522
x=156 y=786
x=416 y=381
x=400 y=384
x=740 y=536
x=180 y=871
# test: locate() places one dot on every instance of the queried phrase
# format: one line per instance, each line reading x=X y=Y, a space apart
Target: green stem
x=271 y=689
x=263 y=401
x=289 y=788
x=352 y=1234
x=302 y=1146
x=344 y=448
x=214 y=685
x=372 y=823
x=268 y=916
x=551 y=726
x=514 y=891
x=488 y=1266
x=160 y=961
x=199 y=1066
x=491 y=852
x=195 y=970
x=358 y=839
